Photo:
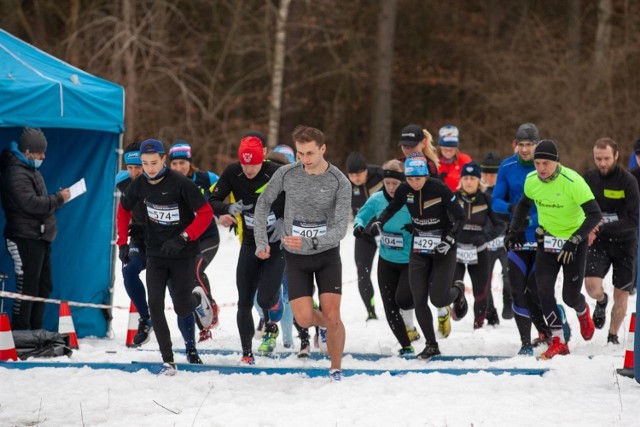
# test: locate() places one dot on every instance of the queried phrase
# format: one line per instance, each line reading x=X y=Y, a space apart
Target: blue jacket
x=510 y=188
x=374 y=205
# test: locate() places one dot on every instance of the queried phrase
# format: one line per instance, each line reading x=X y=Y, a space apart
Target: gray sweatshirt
x=315 y=206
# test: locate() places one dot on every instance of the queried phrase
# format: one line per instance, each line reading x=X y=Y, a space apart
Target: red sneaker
x=556 y=348
x=587 y=328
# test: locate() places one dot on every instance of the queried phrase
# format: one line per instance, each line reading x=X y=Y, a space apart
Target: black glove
x=569 y=249
x=539 y=234
x=445 y=244
x=173 y=246
x=375 y=228
x=123 y=253
x=478 y=240
x=357 y=231
x=409 y=227
x=514 y=240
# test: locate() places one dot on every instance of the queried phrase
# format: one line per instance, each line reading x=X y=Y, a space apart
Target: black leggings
x=208 y=250
x=177 y=275
x=546 y=272
x=524 y=292
x=365 y=251
x=431 y=276
x=254 y=274
x=480 y=280
x=501 y=255
x=393 y=280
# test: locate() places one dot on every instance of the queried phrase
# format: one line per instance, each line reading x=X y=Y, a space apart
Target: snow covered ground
x=578 y=390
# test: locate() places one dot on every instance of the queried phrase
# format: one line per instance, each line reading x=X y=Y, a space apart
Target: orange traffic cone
x=7 y=347
x=65 y=325
x=627 y=368
x=132 y=329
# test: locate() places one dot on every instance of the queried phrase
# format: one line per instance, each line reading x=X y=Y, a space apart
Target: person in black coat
x=31 y=223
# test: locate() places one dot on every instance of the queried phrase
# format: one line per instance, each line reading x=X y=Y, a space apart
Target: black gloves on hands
x=123 y=254
x=569 y=249
x=375 y=228
x=357 y=231
x=445 y=244
x=409 y=227
x=514 y=240
x=173 y=246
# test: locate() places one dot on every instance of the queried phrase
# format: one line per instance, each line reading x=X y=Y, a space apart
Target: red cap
x=250 y=151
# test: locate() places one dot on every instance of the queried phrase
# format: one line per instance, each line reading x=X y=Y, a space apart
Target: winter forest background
x=207 y=70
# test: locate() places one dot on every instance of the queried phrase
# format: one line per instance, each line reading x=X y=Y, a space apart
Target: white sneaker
x=203 y=310
x=168 y=369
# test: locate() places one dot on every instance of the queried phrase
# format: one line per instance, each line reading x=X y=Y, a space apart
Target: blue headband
x=132 y=158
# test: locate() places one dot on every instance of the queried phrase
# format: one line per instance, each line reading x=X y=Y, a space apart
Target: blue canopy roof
x=46 y=92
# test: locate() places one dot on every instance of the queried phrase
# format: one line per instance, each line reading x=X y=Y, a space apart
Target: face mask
x=37 y=163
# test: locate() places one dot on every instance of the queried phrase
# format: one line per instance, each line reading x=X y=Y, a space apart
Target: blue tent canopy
x=82 y=117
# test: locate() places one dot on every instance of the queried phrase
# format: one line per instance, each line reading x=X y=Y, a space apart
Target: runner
x=246 y=180
x=436 y=219
x=613 y=242
x=489 y=175
x=567 y=212
x=180 y=161
x=481 y=227
x=176 y=217
x=365 y=180
x=395 y=247
x=133 y=254
x=508 y=190
x=451 y=158
x=318 y=201
x=415 y=139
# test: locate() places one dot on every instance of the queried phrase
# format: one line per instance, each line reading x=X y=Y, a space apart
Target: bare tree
x=380 y=127
x=275 y=106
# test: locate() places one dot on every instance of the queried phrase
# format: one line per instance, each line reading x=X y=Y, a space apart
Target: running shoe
x=600 y=313
x=566 y=329
x=586 y=324
x=556 y=348
x=305 y=349
x=193 y=357
x=168 y=369
x=203 y=310
x=526 y=350
x=269 y=340
x=413 y=334
x=406 y=351
x=613 y=339
x=143 y=334
x=444 y=323
x=247 y=358
x=460 y=306
x=335 y=375
x=429 y=351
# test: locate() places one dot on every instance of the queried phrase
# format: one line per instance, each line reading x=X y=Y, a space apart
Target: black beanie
x=546 y=149
x=257 y=134
x=356 y=163
x=32 y=140
x=490 y=163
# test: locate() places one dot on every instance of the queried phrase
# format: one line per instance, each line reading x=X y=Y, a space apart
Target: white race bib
x=467 y=254
x=553 y=244
x=163 y=214
x=391 y=240
x=309 y=229
x=249 y=220
x=425 y=242
x=608 y=217
x=496 y=244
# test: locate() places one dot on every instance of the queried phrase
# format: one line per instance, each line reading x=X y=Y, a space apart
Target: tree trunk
x=574 y=33
x=128 y=56
x=277 y=78
x=381 y=115
x=603 y=37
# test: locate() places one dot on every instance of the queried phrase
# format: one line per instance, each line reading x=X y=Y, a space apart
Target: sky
x=580 y=389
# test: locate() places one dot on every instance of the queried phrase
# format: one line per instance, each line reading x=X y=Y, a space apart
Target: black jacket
x=28 y=208
x=360 y=193
x=482 y=224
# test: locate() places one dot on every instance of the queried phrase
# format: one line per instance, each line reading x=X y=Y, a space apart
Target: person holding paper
x=31 y=223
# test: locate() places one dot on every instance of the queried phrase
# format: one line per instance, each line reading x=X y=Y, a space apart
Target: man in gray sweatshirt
x=316 y=217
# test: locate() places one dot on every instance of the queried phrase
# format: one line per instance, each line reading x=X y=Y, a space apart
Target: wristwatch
x=185 y=236
x=314 y=242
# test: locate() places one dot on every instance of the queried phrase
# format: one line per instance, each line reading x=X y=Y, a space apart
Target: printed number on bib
x=163 y=214
x=467 y=254
x=391 y=240
x=248 y=219
x=609 y=217
x=496 y=244
x=425 y=242
x=309 y=229
x=553 y=244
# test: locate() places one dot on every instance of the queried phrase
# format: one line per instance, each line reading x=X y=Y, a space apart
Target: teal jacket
x=390 y=249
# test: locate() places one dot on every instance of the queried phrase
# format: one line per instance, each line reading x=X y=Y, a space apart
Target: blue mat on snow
x=256 y=370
